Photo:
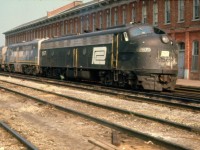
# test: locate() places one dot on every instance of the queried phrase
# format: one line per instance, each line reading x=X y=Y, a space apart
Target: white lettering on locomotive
x=144 y=49
x=164 y=53
x=99 y=55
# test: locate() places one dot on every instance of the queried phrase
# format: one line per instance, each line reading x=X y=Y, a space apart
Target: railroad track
x=150 y=97
x=99 y=107
x=25 y=142
x=194 y=92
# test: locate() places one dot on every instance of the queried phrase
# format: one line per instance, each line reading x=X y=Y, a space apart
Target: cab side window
x=124 y=37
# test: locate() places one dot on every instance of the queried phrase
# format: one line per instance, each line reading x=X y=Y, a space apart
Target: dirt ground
x=48 y=128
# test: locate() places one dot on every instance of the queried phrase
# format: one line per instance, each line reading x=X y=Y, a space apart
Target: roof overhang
x=78 y=9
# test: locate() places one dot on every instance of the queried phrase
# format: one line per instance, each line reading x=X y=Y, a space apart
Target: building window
x=100 y=21
x=124 y=15
x=66 y=28
x=54 y=31
x=93 y=22
x=180 y=10
x=108 y=18
x=87 y=23
x=181 y=46
x=115 y=17
x=133 y=13
x=82 y=23
x=195 y=55
x=196 y=10
x=76 y=26
x=71 y=26
x=61 y=28
x=144 y=14
x=167 y=11
x=155 y=14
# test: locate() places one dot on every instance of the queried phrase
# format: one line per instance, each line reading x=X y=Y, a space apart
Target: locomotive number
x=164 y=53
x=99 y=55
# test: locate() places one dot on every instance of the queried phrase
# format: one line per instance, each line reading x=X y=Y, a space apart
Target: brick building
x=179 y=18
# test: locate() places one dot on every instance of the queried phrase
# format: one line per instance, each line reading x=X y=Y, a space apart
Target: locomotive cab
x=149 y=58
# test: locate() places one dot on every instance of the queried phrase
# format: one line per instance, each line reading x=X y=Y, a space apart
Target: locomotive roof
x=101 y=32
x=25 y=43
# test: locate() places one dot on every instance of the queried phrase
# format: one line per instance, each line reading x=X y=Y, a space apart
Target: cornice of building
x=75 y=8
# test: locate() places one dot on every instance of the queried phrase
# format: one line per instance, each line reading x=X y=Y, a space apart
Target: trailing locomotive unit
x=140 y=56
x=22 y=57
x=2 y=57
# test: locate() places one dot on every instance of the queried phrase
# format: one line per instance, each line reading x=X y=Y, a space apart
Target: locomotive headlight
x=165 y=39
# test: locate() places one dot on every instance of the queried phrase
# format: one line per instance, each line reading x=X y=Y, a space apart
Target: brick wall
x=185 y=31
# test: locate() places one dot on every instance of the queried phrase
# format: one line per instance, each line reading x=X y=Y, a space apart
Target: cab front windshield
x=142 y=30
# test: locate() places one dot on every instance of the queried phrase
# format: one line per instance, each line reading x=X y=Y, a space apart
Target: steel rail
x=18 y=136
x=127 y=130
x=184 y=87
x=171 y=123
x=152 y=100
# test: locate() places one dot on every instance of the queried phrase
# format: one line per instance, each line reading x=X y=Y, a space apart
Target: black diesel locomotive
x=139 y=56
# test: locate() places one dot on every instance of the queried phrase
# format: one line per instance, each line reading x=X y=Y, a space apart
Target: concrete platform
x=184 y=82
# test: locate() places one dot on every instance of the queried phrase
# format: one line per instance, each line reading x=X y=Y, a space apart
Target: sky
x=16 y=12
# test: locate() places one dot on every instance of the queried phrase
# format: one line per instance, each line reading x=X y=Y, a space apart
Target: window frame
x=108 y=19
x=71 y=26
x=87 y=22
x=100 y=20
x=155 y=14
x=93 y=22
x=181 y=8
x=124 y=18
x=144 y=14
x=115 y=17
x=82 y=24
x=195 y=56
x=133 y=13
x=196 y=10
x=66 y=27
x=76 y=26
x=167 y=12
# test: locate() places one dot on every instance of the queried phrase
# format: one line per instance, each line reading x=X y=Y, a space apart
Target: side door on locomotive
x=119 y=56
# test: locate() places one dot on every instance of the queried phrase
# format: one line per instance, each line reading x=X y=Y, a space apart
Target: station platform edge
x=185 y=82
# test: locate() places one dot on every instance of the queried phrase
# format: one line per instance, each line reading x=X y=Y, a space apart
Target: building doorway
x=181 y=60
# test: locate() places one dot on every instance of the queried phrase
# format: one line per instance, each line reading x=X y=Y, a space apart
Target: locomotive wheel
x=12 y=68
x=107 y=80
x=34 y=71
